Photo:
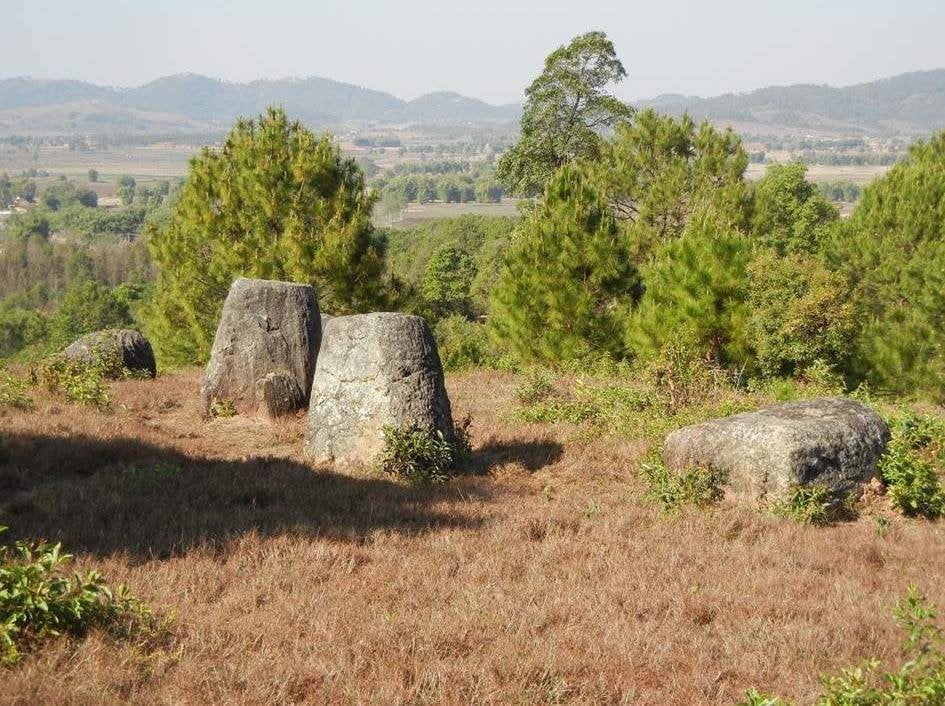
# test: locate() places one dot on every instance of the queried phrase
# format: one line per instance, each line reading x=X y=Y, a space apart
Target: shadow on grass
x=531 y=455
x=122 y=495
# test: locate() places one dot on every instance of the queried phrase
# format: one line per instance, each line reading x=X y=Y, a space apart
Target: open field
x=418 y=213
x=821 y=172
x=544 y=575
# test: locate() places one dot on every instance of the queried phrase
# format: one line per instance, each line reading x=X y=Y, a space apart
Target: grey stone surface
x=265 y=327
x=373 y=370
x=831 y=441
x=279 y=394
x=122 y=348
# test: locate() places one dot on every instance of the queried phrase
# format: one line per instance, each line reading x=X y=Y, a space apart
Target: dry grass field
x=542 y=575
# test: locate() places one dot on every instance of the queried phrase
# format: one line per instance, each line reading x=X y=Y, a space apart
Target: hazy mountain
x=208 y=100
x=909 y=103
x=444 y=106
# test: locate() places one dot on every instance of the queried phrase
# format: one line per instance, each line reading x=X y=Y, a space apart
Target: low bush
x=699 y=487
x=14 y=391
x=222 y=409
x=808 y=504
x=39 y=600
x=76 y=380
x=919 y=680
x=465 y=344
x=422 y=456
x=908 y=467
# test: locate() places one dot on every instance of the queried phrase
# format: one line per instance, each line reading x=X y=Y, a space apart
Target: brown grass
x=542 y=576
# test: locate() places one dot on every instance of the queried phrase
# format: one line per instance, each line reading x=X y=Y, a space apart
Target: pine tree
x=695 y=300
x=893 y=249
x=789 y=212
x=661 y=173
x=275 y=202
x=567 y=282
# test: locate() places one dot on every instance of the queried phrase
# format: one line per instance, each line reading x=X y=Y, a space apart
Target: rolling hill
x=908 y=104
x=202 y=100
x=912 y=103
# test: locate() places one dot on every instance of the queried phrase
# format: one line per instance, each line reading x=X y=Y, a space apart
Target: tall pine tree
x=275 y=202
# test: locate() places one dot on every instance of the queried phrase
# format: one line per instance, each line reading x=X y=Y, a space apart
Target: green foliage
x=87 y=306
x=790 y=214
x=275 y=202
x=126 y=189
x=661 y=173
x=447 y=281
x=919 y=680
x=78 y=381
x=536 y=385
x=39 y=601
x=696 y=294
x=566 y=107
x=809 y=504
x=800 y=314
x=893 y=249
x=567 y=282
x=222 y=409
x=482 y=240
x=465 y=344
x=93 y=175
x=421 y=456
x=908 y=466
x=698 y=487
x=14 y=391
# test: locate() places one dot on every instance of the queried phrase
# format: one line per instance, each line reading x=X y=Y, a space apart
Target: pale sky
x=489 y=49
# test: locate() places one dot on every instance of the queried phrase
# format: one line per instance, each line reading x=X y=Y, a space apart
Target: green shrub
x=674 y=489
x=464 y=344
x=222 y=409
x=808 y=504
x=919 y=681
x=421 y=456
x=38 y=600
x=908 y=469
x=76 y=380
x=13 y=391
x=536 y=386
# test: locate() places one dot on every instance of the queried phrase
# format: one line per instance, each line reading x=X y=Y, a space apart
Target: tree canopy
x=568 y=281
x=566 y=109
x=275 y=202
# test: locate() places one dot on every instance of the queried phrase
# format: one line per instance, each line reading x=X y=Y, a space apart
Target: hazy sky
x=490 y=49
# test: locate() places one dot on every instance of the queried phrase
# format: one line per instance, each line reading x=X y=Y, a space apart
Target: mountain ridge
x=909 y=103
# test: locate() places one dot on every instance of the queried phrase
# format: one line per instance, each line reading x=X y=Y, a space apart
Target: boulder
x=116 y=349
x=266 y=327
x=833 y=441
x=374 y=370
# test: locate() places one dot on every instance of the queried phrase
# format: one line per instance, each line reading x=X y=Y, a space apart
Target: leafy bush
x=808 y=504
x=13 y=391
x=78 y=381
x=421 y=456
x=38 y=600
x=536 y=386
x=222 y=409
x=87 y=306
x=920 y=680
x=464 y=344
x=674 y=489
x=908 y=469
x=800 y=315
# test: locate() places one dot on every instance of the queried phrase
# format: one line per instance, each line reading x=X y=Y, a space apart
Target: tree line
x=640 y=239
